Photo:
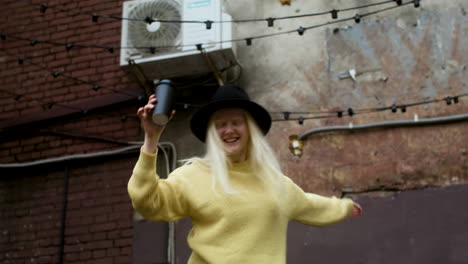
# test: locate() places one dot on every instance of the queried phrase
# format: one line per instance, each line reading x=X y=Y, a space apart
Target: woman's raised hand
x=152 y=131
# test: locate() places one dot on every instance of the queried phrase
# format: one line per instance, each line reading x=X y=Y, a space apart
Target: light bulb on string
x=270 y=21
x=334 y=13
x=357 y=18
x=301 y=31
x=208 y=24
x=43 y=8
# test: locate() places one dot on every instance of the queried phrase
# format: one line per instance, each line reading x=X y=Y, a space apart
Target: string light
x=249 y=40
x=270 y=20
x=334 y=13
x=208 y=24
x=43 y=8
x=56 y=74
x=357 y=18
x=301 y=120
x=351 y=112
x=69 y=46
x=300 y=31
x=149 y=20
x=44 y=105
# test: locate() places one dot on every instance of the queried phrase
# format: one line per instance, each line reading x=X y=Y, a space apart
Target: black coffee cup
x=165 y=93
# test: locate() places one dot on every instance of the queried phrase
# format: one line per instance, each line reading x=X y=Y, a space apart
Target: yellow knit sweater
x=249 y=227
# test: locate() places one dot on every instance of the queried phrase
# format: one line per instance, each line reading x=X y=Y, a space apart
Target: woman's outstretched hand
x=357 y=210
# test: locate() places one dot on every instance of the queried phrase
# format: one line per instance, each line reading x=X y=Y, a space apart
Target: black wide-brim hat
x=228 y=96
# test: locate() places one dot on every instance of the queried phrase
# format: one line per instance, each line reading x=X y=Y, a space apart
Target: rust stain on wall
x=404 y=61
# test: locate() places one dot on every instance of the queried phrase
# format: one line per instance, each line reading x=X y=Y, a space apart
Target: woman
x=236 y=196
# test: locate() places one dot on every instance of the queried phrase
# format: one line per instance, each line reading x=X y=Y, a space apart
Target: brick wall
x=44 y=117
x=98 y=225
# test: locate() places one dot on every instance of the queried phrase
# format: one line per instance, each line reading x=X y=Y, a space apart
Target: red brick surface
x=99 y=213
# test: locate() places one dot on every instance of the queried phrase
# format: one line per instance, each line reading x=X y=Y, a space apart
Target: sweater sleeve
x=313 y=209
x=154 y=198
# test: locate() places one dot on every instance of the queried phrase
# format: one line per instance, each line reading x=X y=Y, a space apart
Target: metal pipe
x=398 y=123
x=64 y=215
x=130 y=149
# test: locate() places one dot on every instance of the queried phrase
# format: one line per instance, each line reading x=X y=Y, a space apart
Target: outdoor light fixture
x=295 y=145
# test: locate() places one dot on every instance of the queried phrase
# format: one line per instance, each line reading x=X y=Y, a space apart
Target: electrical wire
x=43 y=8
x=93 y=85
x=352 y=112
x=301 y=30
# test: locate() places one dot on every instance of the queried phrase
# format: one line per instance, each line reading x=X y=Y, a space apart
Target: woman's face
x=231 y=127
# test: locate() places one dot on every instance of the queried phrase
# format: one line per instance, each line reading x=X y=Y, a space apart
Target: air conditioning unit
x=166 y=50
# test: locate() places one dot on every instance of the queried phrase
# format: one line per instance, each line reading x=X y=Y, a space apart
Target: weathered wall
x=44 y=117
x=75 y=212
x=401 y=56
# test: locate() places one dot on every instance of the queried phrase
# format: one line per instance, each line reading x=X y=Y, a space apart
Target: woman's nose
x=229 y=128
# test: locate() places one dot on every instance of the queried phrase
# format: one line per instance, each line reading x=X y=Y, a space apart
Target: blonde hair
x=260 y=155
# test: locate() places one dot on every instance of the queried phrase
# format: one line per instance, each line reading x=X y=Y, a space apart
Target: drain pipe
x=386 y=124
x=64 y=214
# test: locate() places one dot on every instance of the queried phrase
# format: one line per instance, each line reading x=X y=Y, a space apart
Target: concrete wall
x=401 y=56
